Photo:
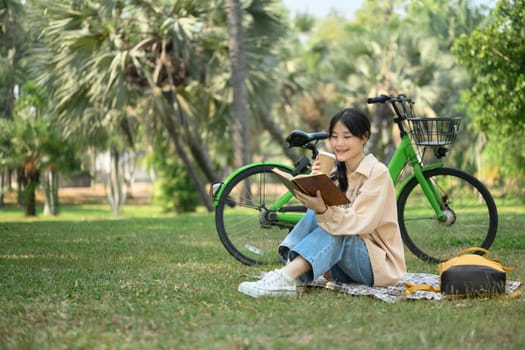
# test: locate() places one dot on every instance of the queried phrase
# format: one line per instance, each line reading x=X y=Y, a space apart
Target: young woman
x=359 y=242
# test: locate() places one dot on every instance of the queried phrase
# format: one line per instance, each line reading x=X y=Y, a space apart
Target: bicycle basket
x=434 y=132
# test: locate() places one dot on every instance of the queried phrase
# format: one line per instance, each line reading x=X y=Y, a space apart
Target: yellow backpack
x=468 y=274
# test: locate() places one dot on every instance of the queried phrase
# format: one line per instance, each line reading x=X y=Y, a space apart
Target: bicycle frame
x=404 y=153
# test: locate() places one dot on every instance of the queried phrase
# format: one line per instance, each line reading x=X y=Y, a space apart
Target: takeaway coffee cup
x=327 y=161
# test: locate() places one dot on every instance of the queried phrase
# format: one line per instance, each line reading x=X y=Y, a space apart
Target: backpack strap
x=485 y=252
x=513 y=295
x=411 y=287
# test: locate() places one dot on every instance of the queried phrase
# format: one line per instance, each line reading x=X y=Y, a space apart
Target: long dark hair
x=359 y=125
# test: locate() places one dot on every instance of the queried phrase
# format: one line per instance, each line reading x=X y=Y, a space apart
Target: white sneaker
x=273 y=283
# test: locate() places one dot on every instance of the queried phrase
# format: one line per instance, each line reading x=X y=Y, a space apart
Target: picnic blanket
x=395 y=293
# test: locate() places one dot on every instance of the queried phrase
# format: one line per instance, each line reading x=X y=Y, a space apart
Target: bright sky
x=320 y=8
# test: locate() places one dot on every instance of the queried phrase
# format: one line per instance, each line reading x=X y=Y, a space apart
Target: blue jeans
x=344 y=257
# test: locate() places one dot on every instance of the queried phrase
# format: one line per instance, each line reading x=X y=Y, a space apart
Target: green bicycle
x=440 y=210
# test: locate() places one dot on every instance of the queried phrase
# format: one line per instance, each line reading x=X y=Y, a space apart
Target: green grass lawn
x=87 y=280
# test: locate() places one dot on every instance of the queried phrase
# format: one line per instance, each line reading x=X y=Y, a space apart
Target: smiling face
x=347 y=147
x=349 y=130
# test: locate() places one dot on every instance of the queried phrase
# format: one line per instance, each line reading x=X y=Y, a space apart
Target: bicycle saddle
x=299 y=138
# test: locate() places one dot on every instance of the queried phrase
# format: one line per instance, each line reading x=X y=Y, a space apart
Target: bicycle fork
x=406 y=153
x=444 y=214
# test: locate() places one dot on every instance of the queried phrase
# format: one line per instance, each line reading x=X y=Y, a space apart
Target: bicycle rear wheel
x=472 y=217
x=246 y=226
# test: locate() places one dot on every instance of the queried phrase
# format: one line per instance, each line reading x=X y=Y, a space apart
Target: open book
x=309 y=184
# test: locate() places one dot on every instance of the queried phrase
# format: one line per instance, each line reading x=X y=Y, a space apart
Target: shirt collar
x=366 y=165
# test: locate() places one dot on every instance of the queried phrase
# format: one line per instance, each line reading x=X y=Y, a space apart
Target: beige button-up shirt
x=372 y=215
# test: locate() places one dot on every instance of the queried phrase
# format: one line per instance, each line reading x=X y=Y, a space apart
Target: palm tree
x=240 y=117
x=11 y=50
x=115 y=65
x=47 y=152
x=13 y=44
x=84 y=70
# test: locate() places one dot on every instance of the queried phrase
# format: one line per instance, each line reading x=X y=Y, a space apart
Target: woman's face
x=347 y=147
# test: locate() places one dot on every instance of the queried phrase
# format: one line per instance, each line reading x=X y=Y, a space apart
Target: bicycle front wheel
x=472 y=217
x=246 y=223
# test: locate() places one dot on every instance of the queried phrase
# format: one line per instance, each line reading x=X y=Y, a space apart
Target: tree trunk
x=240 y=117
x=179 y=148
x=30 y=199
x=2 y=187
x=201 y=155
x=175 y=134
x=277 y=134
x=381 y=142
x=116 y=194
x=50 y=186
x=28 y=181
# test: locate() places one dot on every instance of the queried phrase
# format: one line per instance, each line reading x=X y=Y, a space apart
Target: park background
x=116 y=93
x=117 y=115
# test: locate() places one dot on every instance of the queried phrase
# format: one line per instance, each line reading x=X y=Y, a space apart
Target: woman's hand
x=316 y=203
x=316 y=166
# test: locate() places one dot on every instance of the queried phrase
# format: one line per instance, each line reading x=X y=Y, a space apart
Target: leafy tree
x=115 y=65
x=12 y=47
x=82 y=62
x=390 y=47
x=13 y=44
x=6 y=150
x=36 y=148
x=494 y=56
x=21 y=141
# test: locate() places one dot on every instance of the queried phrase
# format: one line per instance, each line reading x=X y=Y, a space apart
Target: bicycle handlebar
x=378 y=99
x=401 y=99
x=402 y=113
